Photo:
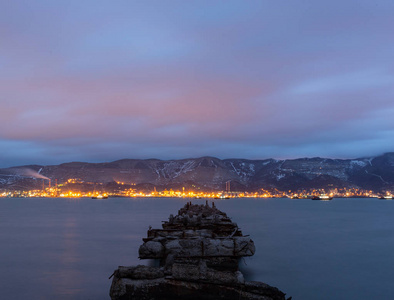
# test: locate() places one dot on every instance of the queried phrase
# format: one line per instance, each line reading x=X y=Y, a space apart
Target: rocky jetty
x=198 y=251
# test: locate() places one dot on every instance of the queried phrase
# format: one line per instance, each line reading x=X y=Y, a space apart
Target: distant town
x=75 y=188
x=205 y=177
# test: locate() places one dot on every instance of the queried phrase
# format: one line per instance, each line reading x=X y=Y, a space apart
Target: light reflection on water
x=67 y=249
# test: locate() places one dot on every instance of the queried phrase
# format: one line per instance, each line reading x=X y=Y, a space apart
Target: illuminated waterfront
x=75 y=188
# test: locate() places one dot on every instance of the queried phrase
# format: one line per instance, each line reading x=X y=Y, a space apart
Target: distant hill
x=373 y=173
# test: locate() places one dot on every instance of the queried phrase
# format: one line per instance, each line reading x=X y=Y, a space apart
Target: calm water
x=67 y=249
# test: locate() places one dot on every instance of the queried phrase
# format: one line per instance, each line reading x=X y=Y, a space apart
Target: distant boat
x=222 y=196
x=387 y=197
x=100 y=197
x=322 y=197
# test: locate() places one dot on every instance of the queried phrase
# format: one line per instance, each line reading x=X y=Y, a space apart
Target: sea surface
x=67 y=248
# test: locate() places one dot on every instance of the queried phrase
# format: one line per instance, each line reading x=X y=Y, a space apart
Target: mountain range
x=210 y=173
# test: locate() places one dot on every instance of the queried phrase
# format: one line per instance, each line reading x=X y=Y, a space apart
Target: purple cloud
x=100 y=81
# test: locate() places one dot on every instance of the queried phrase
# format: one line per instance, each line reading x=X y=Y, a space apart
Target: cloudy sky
x=100 y=80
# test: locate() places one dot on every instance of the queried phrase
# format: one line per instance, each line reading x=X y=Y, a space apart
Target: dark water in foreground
x=67 y=249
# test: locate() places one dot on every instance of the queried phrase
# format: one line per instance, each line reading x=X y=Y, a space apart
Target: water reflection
x=69 y=275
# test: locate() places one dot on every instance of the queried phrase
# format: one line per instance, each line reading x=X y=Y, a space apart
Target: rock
x=139 y=272
x=244 y=246
x=151 y=249
x=198 y=250
x=212 y=247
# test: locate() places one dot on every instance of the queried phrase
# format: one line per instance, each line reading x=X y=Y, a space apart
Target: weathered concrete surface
x=197 y=247
x=198 y=250
x=167 y=288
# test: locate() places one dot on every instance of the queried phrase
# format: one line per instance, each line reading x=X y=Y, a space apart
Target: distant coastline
x=200 y=177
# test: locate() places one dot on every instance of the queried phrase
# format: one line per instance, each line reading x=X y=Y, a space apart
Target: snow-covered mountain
x=373 y=173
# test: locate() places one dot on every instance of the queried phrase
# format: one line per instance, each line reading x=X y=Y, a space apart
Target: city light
x=76 y=188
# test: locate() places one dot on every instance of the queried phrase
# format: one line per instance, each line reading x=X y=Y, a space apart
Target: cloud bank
x=100 y=81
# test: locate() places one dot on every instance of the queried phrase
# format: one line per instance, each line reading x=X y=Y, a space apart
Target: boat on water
x=387 y=197
x=322 y=197
x=222 y=196
x=100 y=197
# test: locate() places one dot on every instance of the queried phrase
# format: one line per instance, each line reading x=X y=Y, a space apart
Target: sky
x=100 y=80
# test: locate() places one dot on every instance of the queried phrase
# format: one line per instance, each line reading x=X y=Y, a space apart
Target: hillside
x=374 y=173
